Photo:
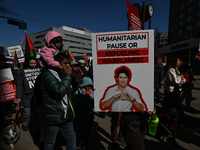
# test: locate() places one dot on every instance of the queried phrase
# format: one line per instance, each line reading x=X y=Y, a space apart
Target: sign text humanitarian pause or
x=122 y=48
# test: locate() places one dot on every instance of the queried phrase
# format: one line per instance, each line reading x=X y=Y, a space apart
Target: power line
x=57 y=23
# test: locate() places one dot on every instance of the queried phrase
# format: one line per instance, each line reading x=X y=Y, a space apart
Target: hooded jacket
x=54 y=88
x=49 y=51
x=84 y=103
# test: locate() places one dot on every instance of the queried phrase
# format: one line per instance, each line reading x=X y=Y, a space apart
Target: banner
x=19 y=52
x=8 y=90
x=29 y=77
x=123 y=70
x=134 y=17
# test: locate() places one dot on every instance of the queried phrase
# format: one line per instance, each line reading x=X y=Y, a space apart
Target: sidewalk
x=197 y=82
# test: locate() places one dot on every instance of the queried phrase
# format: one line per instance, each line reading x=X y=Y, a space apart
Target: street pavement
x=188 y=139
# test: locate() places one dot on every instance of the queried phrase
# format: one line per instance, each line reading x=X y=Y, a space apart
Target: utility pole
x=156 y=50
x=190 y=43
x=143 y=13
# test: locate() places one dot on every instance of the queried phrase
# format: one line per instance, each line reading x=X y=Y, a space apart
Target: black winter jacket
x=52 y=92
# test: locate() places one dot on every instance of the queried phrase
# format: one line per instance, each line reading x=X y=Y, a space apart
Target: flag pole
x=74 y=59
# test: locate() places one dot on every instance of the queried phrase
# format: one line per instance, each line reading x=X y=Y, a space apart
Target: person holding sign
x=25 y=82
x=122 y=96
x=7 y=103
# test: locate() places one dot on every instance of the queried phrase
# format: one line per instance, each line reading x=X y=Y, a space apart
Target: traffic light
x=21 y=24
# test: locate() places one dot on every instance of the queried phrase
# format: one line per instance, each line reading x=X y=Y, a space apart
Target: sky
x=95 y=15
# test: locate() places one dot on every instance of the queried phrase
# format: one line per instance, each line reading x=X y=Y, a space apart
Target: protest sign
x=6 y=75
x=19 y=52
x=8 y=90
x=29 y=77
x=127 y=55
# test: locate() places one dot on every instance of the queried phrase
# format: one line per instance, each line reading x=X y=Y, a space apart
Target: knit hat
x=81 y=61
x=73 y=63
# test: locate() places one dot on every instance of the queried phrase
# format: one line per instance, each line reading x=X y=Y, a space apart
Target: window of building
x=180 y=23
x=37 y=42
x=189 y=9
x=78 y=37
x=39 y=36
x=198 y=23
x=74 y=42
x=189 y=19
x=188 y=27
x=190 y=1
x=181 y=15
x=182 y=6
x=180 y=31
x=198 y=13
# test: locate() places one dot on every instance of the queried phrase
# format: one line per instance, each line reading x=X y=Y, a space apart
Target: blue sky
x=97 y=16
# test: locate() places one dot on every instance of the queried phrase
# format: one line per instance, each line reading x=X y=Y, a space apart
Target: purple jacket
x=48 y=52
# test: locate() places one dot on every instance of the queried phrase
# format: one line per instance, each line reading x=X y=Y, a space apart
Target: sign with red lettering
x=123 y=64
x=8 y=90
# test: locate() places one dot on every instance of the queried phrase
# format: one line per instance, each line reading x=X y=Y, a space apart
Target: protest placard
x=8 y=90
x=123 y=70
x=29 y=77
x=19 y=52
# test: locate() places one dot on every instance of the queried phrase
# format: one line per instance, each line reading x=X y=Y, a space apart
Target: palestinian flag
x=85 y=57
x=30 y=50
x=15 y=61
x=70 y=55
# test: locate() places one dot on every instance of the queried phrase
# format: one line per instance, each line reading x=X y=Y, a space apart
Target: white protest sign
x=123 y=64
x=6 y=75
x=19 y=52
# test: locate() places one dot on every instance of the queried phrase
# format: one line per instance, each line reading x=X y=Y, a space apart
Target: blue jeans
x=67 y=129
x=26 y=116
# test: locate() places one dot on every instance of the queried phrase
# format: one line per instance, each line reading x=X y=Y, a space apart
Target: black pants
x=134 y=141
x=84 y=129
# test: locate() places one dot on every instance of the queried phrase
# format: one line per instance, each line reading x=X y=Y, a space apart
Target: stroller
x=11 y=132
x=168 y=125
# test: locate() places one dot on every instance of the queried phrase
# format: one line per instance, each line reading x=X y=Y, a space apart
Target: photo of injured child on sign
x=123 y=71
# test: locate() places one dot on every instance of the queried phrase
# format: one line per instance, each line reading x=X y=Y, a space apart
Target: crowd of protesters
x=64 y=98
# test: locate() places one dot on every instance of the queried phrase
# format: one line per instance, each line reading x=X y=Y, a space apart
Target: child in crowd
x=53 y=46
x=84 y=111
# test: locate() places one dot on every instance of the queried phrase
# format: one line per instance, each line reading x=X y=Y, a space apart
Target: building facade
x=184 y=29
x=77 y=40
x=162 y=39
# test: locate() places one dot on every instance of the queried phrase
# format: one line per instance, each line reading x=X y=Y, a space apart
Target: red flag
x=15 y=61
x=85 y=57
x=30 y=50
x=70 y=55
x=134 y=17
